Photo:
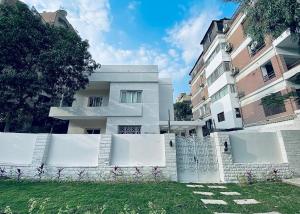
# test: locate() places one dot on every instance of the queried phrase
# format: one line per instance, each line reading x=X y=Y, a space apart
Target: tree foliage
x=271 y=17
x=37 y=59
x=182 y=111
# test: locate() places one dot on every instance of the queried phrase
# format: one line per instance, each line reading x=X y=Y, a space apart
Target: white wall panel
x=255 y=147
x=74 y=150
x=138 y=150
x=17 y=148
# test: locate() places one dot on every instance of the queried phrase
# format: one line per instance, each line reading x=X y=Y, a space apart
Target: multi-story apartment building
x=120 y=99
x=239 y=76
x=271 y=68
x=213 y=89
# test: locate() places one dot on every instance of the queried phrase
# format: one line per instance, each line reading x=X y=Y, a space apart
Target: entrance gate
x=197 y=160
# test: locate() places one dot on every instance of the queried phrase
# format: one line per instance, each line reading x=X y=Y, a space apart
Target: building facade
x=120 y=99
x=235 y=78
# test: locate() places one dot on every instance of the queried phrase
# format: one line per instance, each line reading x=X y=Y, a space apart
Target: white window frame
x=131 y=96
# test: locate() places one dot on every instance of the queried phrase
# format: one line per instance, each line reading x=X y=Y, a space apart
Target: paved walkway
x=217 y=201
x=293 y=181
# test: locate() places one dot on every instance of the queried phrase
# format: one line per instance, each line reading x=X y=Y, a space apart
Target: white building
x=120 y=99
x=225 y=107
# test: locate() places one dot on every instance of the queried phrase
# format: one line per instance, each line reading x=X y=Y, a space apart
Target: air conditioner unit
x=228 y=47
x=234 y=71
x=201 y=85
x=241 y=94
x=253 y=46
x=226 y=28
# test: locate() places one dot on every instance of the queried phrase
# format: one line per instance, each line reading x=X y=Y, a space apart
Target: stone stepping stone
x=246 y=201
x=230 y=193
x=203 y=193
x=217 y=187
x=227 y=213
x=194 y=186
x=211 y=201
x=269 y=213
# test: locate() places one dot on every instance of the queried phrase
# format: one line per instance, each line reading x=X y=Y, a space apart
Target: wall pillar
x=171 y=166
x=199 y=131
x=41 y=149
x=105 y=145
x=224 y=158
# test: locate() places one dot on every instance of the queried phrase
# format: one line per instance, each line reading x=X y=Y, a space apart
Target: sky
x=166 y=33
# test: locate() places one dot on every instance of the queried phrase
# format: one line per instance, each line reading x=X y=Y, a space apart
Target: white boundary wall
x=256 y=147
x=74 y=150
x=90 y=155
x=230 y=170
x=138 y=150
x=17 y=148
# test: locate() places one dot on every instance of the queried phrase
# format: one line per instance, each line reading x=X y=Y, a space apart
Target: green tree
x=182 y=111
x=37 y=60
x=271 y=17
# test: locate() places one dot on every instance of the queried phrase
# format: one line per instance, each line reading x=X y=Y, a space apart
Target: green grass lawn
x=171 y=197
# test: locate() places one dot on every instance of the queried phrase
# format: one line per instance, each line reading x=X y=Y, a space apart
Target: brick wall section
x=254 y=113
x=229 y=171
x=254 y=80
x=198 y=98
x=237 y=37
x=292 y=146
x=244 y=58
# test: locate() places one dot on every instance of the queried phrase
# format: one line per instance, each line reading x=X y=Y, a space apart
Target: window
x=221 y=117
x=273 y=104
x=131 y=96
x=225 y=66
x=267 y=71
x=223 y=92
x=95 y=101
x=237 y=113
x=129 y=129
x=232 y=88
x=92 y=131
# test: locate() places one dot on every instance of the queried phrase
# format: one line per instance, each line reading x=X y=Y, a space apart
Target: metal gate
x=197 y=160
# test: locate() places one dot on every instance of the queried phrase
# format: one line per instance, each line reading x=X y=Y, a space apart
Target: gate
x=197 y=160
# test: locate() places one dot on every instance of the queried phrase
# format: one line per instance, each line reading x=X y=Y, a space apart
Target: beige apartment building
x=251 y=73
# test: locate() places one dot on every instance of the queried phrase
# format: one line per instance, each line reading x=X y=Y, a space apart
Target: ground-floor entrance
x=196 y=160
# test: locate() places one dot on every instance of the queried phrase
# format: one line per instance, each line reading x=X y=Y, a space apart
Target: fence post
x=41 y=149
x=170 y=152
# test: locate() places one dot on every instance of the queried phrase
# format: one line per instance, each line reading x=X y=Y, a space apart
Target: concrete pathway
x=194 y=186
x=203 y=193
x=246 y=201
x=230 y=193
x=293 y=181
x=217 y=187
x=212 y=201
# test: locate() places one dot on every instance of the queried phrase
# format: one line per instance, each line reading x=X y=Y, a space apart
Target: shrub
x=40 y=171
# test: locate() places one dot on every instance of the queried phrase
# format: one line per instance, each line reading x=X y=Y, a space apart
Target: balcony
x=82 y=112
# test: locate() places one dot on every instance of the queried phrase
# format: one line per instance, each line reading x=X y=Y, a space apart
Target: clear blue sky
x=160 y=32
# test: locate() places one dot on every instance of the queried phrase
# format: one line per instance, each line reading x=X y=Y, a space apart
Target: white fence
x=88 y=154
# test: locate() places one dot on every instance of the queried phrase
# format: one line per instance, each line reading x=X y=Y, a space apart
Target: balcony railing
x=79 y=112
